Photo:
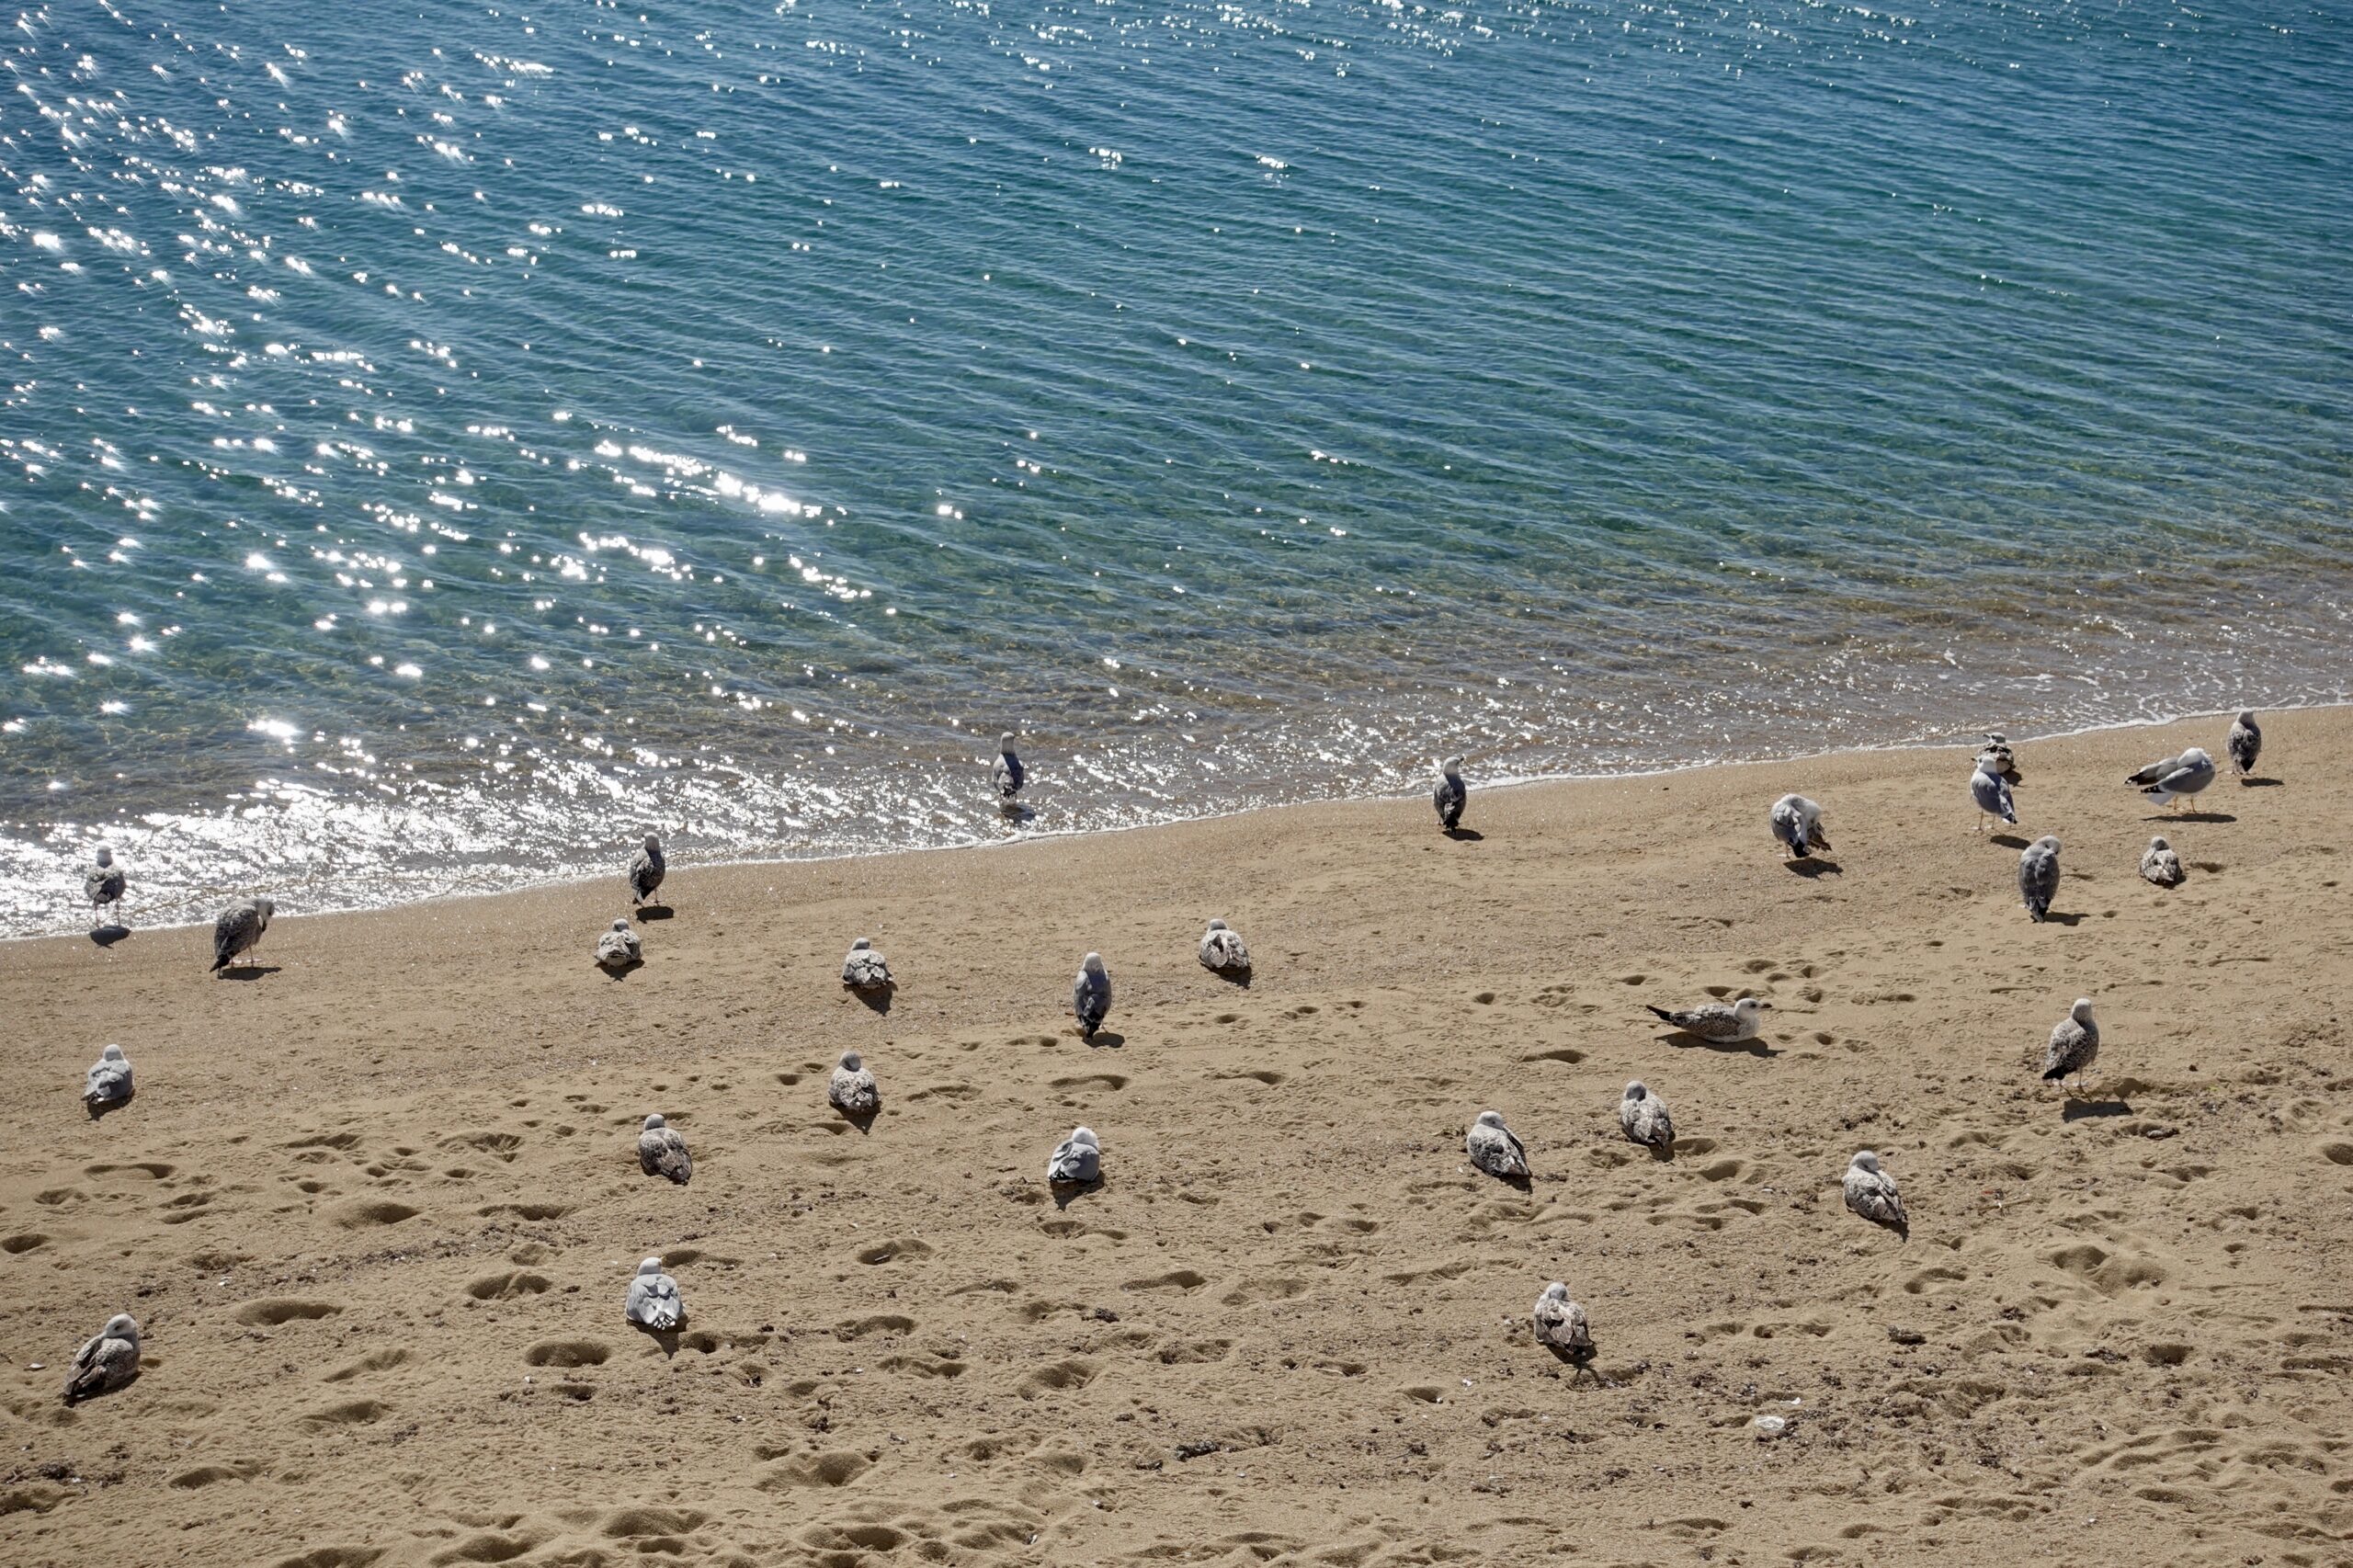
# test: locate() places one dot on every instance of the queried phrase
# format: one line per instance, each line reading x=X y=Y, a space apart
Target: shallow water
x=434 y=456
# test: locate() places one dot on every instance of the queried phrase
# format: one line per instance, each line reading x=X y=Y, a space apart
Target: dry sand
x=377 y=1207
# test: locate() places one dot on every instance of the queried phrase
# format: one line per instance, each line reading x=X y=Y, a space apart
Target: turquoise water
x=431 y=453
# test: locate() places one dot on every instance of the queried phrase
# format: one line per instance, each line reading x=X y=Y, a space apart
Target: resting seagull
x=863 y=969
x=618 y=948
x=238 y=931
x=104 y=884
x=1561 y=1324
x=1644 y=1117
x=653 y=1300
x=1492 y=1148
x=1222 y=949
x=1991 y=792
x=1008 y=772
x=106 y=1085
x=1725 y=1024
x=1077 y=1160
x=1090 y=995
x=106 y=1362
x=2166 y=781
x=1871 y=1192
x=2160 y=865
x=2075 y=1045
x=661 y=1152
x=645 y=872
x=1797 y=822
x=2245 y=743
x=851 y=1090
x=2039 y=876
x=1451 y=794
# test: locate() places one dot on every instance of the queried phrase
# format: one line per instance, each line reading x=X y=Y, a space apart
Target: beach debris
x=2039 y=876
x=618 y=947
x=645 y=872
x=2174 y=777
x=1492 y=1148
x=1768 y=1428
x=863 y=969
x=653 y=1300
x=661 y=1152
x=1644 y=1117
x=851 y=1090
x=2160 y=865
x=104 y=884
x=1727 y=1023
x=1223 y=951
x=2074 y=1044
x=2244 y=744
x=1008 y=772
x=1561 y=1324
x=108 y=1084
x=1090 y=995
x=1797 y=824
x=1450 y=795
x=239 y=930
x=106 y=1362
x=1991 y=792
x=1077 y=1160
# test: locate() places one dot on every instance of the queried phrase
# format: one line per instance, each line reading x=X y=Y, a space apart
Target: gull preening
x=2245 y=743
x=618 y=947
x=1996 y=749
x=1090 y=995
x=238 y=931
x=2174 y=777
x=1222 y=949
x=645 y=872
x=1727 y=1023
x=1871 y=1192
x=1492 y=1148
x=2074 y=1044
x=851 y=1090
x=107 y=1083
x=1991 y=791
x=1077 y=1160
x=1008 y=772
x=104 y=885
x=1644 y=1117
x=2039 y=876
x=863 y=969
x=1561 y=1324
x=106 y=1362
x=1451 y=794
x=661 y=1152
x=653 y=1300
x=2160 y=865
x=1796 y=825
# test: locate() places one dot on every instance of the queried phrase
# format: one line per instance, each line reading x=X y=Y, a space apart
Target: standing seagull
x=863 y=969
x=618 y=948
x=1561 y=1324
x=1222 y=949
x=2006 y=767
x=2166 y=781
x=1492 y=1148
x=653 y=1300
x=645 y=872
x=1090 y=995
x=661 y=1152
x=1727 y=1025
x=2074 y=1044
x=1991 y=791
x=2245 y=743
x=2039 y=876
x=1077 y=1160
x=2160 y=865
x=1008 y=772
x=106 y=1362
x=1644 y=1118
x=851 y=1090
x=1797 y=822
x=104 y=884
x=1871 y=1192
x=1451 y=794
x=239 y=929
x=106 y=1085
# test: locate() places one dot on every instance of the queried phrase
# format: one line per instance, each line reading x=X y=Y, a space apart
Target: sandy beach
x=376 y=1206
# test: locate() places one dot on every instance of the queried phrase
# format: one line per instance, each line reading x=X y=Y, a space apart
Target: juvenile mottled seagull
x=239 y=929
x=1451 y=794
x=1644 y=1117
x=1222 y=949
x=1492 y=1148
x=1077 y=1160
x=1090 y=995
x=1560 y=1323
x=106 y=1362
x=653 y=1300
x=1871 y=1192
x=645 y=872
x=2006 y=767
x=104 y=884
x=1991 y=792
x=2245 y=743
x=108 y=1084
x=863 y=969
x=661 y=1152
x=1728 y=1023
x=1797 y=824
x=2039 y=876
x=2160 y=865
x=2166 y=781
x=1008 y=772
x=851 y=1089
x=617 y=948
x=2075 y=1045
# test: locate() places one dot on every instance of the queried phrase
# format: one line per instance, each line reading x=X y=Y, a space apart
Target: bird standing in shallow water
x=104 y=884
x=1008 y=773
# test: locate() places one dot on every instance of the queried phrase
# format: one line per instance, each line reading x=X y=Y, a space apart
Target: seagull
x=2244 y=744
x=2039 y=876
x=1492 y=1148
x=851 y=1089
x=2160 y=865
x=618 y=948
x=108 y=1084
x=104 y=884
x=645 y=872
x=863 y=969
x=2166 y=781
x=239 y=929
x=1991 y=792
x=1222 y=949
x=106 y=1362
x=2074 y=1044
x=1797 y=822
x=653 y=1301
x=2006 y=767
x=1644 y=1117
x=1727 y=1025
x=661 y=1152
x=1077 y=1160
x=1450 y=795
x=1561 y=1324
x=1871 y=1192
x=1090 y=995
x=1008 y=772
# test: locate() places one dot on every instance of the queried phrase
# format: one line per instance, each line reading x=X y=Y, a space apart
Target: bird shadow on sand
x=862 y=1120
x=655 y=911
x=1581 y=1360
x=1017 y=816
x=1464 y=834
x=2074 y=1109
x=1519 y=1183
x=1105 y=1040
x=1815 y=866
x=1662 y=1154
x=2190 y=816
x=876 y=997
x=1240 y=977
x=619 y=971
x=667 y=1338
x=107 y=936
x=2053 y=918
x=100 y=1112
x=2254 y=783
x=246 y=971
x=2009 y=841
x=1682 y=1041
x=1069 y=1192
